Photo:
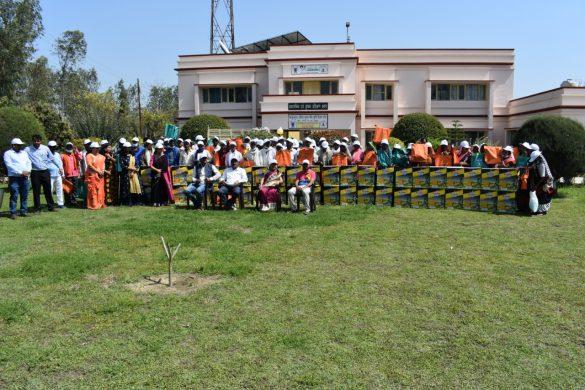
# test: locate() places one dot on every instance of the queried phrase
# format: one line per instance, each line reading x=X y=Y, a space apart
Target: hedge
x=198 y=125
x=412 y=127
x=18 y=123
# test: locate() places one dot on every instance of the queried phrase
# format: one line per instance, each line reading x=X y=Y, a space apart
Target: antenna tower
x=222 y=26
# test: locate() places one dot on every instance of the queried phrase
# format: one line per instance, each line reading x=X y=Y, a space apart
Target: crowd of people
x=102 y=174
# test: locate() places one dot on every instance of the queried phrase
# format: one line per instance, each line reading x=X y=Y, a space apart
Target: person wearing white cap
x=41 y=158
x=130 y=190
x=353 y=137
x=306 y=152
x=199 y=137
x=186 y=153
x=443 y=157
x=135 y=140
x=172 y=152
x=18 y=167
x=357 y=153
x=303 y=183
x=230 y=182
x=204 y=175
x=94 y=177
x=103 y=143
x=71 y=166
x=283 y=156
x=534 y=147
x=232 y=153
x=254 y=154
x=523 y=156
x=161 y=186
x=540 y=183
x=56 y=172
x=384 y=154
x=508 y=159
x=147 y=153
x=463 y=155
x=324 y=154
x=341 y=157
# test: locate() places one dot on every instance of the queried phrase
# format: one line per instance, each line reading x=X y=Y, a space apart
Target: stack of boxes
x=366 y=182
x=331 y=179
x=181 y=176
x=402 y=187
x=385 y=186
x=348 y=185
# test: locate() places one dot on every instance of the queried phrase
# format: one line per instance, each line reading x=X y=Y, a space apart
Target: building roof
x=293 y=38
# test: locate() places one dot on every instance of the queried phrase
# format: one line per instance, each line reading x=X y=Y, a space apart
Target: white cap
x=16 y=141
x=260 y=142
x=214 y=137
x=535 y=147
x=136 y=139
x=247 y=138
x=273 y=161
x=325 y=144
x=67 y=144
x=200 y=143
x=534 y=155
x=444 y=143
x=475 y=145
x=188 y=141
x=305 y=162
x=279 y=146
x=322 y=139
x=122 y=140
x=200 y=138
x=526 y=145
x=222 y=142
x=356 y=143
x=233 y=143
x=384 y=142
x=204 y=154
x=337 y=142
x=345 y=139
x=94 y=145
x=429 y=145
x=104 y=142
x=178 y=139
x=52 y=143
x=165 y=140
x=509 y=149
x=127 y=145
x=409 y=146
x=464 y=144
x=275 y=139
x=308 y=139
x=396 y=146
x=87 y=141
x=149 y=141
x=159 y=145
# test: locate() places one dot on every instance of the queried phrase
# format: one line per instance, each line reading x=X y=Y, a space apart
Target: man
x=253 y=154
x=324 y=154
x=353 y=138
x=18 y=166
x=147 y=153
x=229 y=183
x=306 y=152
x=304 y=181
x=56 y=172
x=71 y=160
x=40 y=158
x=204 y=175
x=384 y=154
x=82 y=163
x=172 y=153
x=137 y=151
x=282 y=157
x=233 y=153
x=357 y=153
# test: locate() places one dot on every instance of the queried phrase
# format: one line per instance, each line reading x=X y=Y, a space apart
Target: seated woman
x=268 y=193
x=508 y=160
x=477 y=157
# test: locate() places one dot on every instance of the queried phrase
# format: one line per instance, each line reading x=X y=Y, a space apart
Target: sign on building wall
x=310 y=69
x=307 y=121
x=308 y=106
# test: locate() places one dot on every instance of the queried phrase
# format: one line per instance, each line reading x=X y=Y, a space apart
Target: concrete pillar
x=362 y=105
x=490 y=90
x=428 y=107
x=197 y=106
x=254 y=106
x=395 y=95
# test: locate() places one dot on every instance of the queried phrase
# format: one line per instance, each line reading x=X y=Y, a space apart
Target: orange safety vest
x=370 y=158
x=246 y=163
x=381 y=133
x=492 y=155
x=516 y=153
x=420 y=153
x=283 y=158
x=442 y=160
x=339 y=160
x=305 y=154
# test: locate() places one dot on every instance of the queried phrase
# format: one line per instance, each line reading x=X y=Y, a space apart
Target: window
x=468 y=92
x=311 y=87
x=227 y=95
x=378 y=92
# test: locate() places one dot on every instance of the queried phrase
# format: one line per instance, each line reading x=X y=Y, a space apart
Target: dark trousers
x=40 y=179
x=224 y=190
x=71 y=198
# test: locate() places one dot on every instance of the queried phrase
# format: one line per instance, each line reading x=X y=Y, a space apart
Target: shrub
x=413 y=127
x=16 y=122
x=561 y=140
x=260 y=134
x=393 y=141
x=56 y=128
x=198 y=125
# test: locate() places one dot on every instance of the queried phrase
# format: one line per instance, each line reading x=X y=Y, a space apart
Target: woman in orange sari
x=94 y=178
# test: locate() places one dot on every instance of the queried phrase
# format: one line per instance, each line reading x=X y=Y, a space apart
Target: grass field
x=347 y=297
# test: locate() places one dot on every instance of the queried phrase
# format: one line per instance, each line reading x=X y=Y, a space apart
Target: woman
x=540 y=179
x=370 y=157
x=268 y=194
x=162 y=187
x=94 y=178
x=463 y=156
x=129 y=177
x=110 y=179
x=342 y=157
x=508 y=160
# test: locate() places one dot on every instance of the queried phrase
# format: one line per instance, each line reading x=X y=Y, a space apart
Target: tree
x=412 y=127
x=154 y=123
x=199 y=124
x=561 y=140
x=456 y=133
x=164 y=100
x=37 y=84
x=56 y=127
x=16 y=122
x=20 y=25
x=96 y=115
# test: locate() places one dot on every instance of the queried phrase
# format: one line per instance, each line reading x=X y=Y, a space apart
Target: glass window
x=227 y=95
x=378 y=92
x=294 y=87
x=241 y=94
x=214 y=95
x=468 y=92
x=368 y=92
x=205 y=95
x=443 y=91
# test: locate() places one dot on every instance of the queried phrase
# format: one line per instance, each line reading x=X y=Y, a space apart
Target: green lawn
x=347 y=297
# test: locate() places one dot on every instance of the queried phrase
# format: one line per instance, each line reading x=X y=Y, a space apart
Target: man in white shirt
x=229 y=183
x=41 y=158
x=204 y=175
x=232 y=153
x=56 y=171
x=254 y=154
x=18 y=166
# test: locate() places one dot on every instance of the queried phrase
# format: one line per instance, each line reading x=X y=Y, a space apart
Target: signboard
x=310 y=69
x=308 y=106
x=306 y=121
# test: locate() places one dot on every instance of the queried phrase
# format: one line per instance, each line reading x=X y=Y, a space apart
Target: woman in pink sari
x=162 y=184
x=269 y=189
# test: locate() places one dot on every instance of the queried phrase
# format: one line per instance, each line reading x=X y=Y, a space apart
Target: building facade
x=334 y=86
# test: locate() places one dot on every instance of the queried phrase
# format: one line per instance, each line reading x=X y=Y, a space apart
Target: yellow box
x=438 y=178
x=403 y=179
x=488 y=201
x=366 y=176
x=418 y=199
x=455 y=177
x=454 y=199
x=331 y=195
x=436 y=199
x=507 y=203
x=508 y=180
x=402 y=197
x=420 y=177
x=366 y=195
x=472 y=178
x=257 y=175
x=384 y=196
x=348 y=175
x=471 y=200
x=385 y=177
x=490 y=179
x=330 y=176
x=291 y=175
x=347 y=195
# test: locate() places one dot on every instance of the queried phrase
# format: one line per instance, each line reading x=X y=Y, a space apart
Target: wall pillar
x=254 y=106
x=490 y=88
x=197 y=106
x=363 y=105
x=428 y=107
x=395 y=94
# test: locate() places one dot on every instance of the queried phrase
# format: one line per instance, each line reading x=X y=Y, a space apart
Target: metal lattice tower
x=222 y=26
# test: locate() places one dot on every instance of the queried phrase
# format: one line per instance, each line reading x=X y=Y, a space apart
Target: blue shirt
x=16 y=163
x=173 y=155
x=56 y=166
x=138 y=155
x=40 y=158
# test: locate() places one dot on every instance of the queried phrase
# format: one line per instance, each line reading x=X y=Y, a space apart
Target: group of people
x=103 y=174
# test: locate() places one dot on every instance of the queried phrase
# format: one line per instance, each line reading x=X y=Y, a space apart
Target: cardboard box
x=331 y=195
x=366 y=195
x=179 y=192
x=330 y=176
x=508 y=180
x=420 y=177
x=488 y=201
x=507 y=203
x=471 y=200
x=180 y=176
x=438 y=178
x=317 y=170
x=347 y=195
x=418 y=199
x=472 y=179
x=348 y=175
x=403 y=178
x=257 y=175
x=248 y=195
x=454 y=199
x=385 y=177
x=436 y=199
x=250 y=174
x=318 y=194
x=384 y=196
x=455 y=178
x=490 y=179
x=402 y=197
x=366 y=176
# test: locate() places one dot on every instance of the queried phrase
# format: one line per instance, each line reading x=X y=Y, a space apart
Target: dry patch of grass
x=183 y=284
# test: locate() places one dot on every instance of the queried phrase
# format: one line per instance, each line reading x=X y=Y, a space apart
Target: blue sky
x=132 y=39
